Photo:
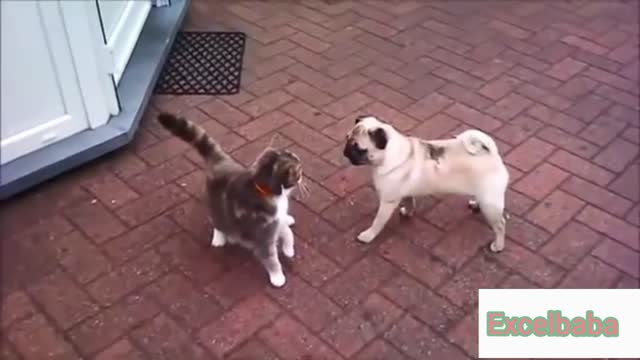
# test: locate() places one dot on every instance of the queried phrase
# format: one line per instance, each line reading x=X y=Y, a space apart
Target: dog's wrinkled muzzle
x=355 y=155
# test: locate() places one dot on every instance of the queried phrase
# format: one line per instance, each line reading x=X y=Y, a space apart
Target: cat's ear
x=272 y=141
x=265 y=164
x=267 y=155
x=379 y=138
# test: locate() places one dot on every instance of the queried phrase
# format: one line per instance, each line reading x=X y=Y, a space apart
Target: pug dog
x=404 y=167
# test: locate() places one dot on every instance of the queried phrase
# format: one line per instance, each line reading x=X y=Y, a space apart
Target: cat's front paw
x=289 y=220
x=277 y=279
x=366 y=236
x=288 y=251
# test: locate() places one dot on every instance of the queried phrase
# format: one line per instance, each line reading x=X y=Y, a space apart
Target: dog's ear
x=362 y=117
x=379 y=138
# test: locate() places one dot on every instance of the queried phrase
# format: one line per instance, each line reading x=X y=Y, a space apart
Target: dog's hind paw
x=495 y=248
x=366 y=236
x=474 y=206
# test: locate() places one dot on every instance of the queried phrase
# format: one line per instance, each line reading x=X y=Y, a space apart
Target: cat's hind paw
x=289 y=220
x=218 y=239
x=288 y=251
x=277 y=279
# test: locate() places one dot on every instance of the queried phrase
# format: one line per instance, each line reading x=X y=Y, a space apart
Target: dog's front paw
x=366 y=236
x=494 y=247
x=289 y=220
x=277 y=279
x=406 y=211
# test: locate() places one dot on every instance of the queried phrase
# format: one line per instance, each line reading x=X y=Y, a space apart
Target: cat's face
x=279 y=168
x=289 y=169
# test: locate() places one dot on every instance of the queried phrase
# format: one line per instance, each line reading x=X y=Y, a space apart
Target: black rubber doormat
x=203 y=63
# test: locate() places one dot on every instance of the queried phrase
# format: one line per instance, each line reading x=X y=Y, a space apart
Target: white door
x=122 y=22
x=41 y=98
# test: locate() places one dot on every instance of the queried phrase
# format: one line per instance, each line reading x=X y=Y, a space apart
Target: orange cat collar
x=264 y=192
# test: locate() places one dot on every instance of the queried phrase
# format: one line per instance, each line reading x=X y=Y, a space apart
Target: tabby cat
x=249 y=206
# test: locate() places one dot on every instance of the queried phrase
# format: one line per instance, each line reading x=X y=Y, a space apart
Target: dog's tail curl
x=477 y=142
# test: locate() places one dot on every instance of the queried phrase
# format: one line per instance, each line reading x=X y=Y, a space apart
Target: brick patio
x=111 y=261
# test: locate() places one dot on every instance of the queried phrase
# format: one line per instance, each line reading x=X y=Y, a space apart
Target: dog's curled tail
x=192 y=134
x=476 y=142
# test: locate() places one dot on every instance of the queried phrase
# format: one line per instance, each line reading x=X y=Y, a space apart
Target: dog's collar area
x=399 y=164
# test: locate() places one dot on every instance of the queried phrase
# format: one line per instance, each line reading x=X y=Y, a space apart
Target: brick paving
x=111 y=261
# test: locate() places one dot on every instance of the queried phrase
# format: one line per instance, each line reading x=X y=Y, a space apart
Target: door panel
x=41 y=100
x=122 y=22
x=91 y=59
x=111 y=12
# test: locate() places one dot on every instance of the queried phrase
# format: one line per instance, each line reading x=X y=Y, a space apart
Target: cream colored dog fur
x=404 y=167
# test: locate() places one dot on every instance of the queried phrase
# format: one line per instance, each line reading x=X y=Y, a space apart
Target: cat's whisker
x=303 y=195
x=304 y=188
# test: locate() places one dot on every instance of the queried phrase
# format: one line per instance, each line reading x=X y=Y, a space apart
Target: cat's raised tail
x=192 y=134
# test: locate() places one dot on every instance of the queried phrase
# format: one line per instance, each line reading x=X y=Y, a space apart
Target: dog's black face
x=355 y=154
x=366 y=142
